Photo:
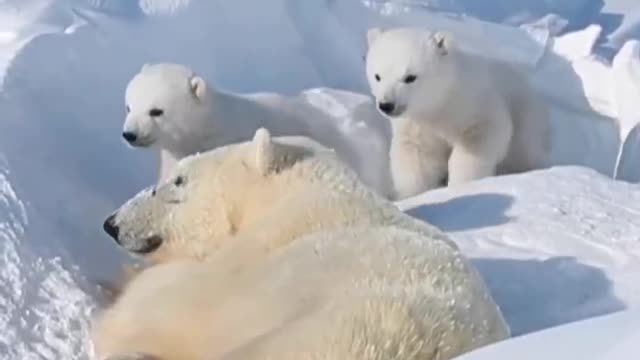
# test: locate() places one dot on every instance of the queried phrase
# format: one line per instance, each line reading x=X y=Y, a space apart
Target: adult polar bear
x=299 y=260
x=171 y=108
x=453 y=114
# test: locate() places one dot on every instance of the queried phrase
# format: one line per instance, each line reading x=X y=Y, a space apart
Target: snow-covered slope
x=64 y=65
x=555 y=246
x=610 y=337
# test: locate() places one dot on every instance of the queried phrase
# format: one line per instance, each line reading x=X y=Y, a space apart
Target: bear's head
x=210 y=196
x=164 y=103
x=409 y=71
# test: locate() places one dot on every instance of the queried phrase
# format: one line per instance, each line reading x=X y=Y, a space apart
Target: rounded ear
x=145 y=67
x=264 y=151
x=443 y=41
x=372 y=35
x=198 y=87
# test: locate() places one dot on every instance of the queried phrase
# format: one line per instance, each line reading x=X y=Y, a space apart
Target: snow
x=607 y=337
x=555 y=246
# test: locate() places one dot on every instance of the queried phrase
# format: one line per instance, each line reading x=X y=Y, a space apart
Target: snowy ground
x=555 y=246
x=608 y=337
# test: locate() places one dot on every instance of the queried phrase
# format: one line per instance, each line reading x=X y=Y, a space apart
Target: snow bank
x=41 y=302
x=612 y=337
x=554 y=245
x=65 y=64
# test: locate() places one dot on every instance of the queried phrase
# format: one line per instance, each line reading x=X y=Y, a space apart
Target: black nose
x=387 y=108
x=129 y=136
x=110 y=227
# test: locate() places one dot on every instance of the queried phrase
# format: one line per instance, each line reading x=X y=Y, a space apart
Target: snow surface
x=609 y=337
x=555 y=246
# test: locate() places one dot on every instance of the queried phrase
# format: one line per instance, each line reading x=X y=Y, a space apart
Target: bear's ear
x=145 y=67
x=198 y=87
x=443 y=41
x=264 y=151
x=372 y=35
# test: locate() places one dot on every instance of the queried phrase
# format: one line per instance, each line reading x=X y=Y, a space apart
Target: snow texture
x=555 y=246
x=610 y=337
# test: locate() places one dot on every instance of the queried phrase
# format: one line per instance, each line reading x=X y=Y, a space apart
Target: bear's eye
x=178 y=181
x=155 y=112
x=377 y=77
x=127 y=109
x=409 y=79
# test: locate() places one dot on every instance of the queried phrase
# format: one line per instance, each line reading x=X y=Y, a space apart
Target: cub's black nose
x=129 y=136
x=387 y=108
x=110 y=227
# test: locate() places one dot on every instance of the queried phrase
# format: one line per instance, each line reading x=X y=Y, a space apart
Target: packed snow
x=608 y=337
x=555 y=246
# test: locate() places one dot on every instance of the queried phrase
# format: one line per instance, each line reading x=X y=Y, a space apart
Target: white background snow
x=555 y=246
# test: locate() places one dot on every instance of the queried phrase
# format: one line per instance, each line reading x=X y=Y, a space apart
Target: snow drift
x=63 y=167
x=611 y=337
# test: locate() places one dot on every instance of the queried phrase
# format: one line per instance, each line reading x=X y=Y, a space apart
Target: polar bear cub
x=454 y=116
x=299 y=260
x=174 y=110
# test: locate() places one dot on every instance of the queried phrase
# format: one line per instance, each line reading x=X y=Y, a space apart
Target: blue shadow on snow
x=466 y=212
x=538 y=294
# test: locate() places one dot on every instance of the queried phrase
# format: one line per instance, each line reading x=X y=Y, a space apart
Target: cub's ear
x=372 y=35
x=443 y=41
x=264 y=151
x=145 y=66
x=198 y=87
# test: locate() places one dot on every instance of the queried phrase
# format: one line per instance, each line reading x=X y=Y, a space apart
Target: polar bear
x=174 y=110
x=297 y=260
x=454 y=116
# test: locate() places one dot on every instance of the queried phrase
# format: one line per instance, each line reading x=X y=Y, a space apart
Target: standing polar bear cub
x=174 y=110
x=454 y=115
x=299 y=260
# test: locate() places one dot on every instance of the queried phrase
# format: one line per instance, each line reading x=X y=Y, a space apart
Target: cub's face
x=163 y=106
x=408 y=71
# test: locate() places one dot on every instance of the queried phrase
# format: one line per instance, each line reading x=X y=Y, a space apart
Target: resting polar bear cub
x=301 y=262
x=172 y=109
x=453 y=114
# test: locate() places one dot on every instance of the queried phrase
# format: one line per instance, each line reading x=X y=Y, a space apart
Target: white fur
x=198 y=117
x=479 y=117
x=296 y=259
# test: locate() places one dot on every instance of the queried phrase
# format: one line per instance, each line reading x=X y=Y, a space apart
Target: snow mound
x=63 y=69
x=41 y=302
x=554 y=245
x=611 y=337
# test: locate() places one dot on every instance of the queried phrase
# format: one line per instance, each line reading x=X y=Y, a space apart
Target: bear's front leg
x=476 y=155
x=418 y=160
x=465 y=166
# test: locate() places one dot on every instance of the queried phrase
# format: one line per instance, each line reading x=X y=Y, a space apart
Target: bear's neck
x=329 y=196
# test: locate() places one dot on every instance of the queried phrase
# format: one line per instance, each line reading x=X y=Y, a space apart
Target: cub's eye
x=127 y=109
x=179 y=181
x=410 y=78
x=155 y=112
x=377 y=77
x=153 y=192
